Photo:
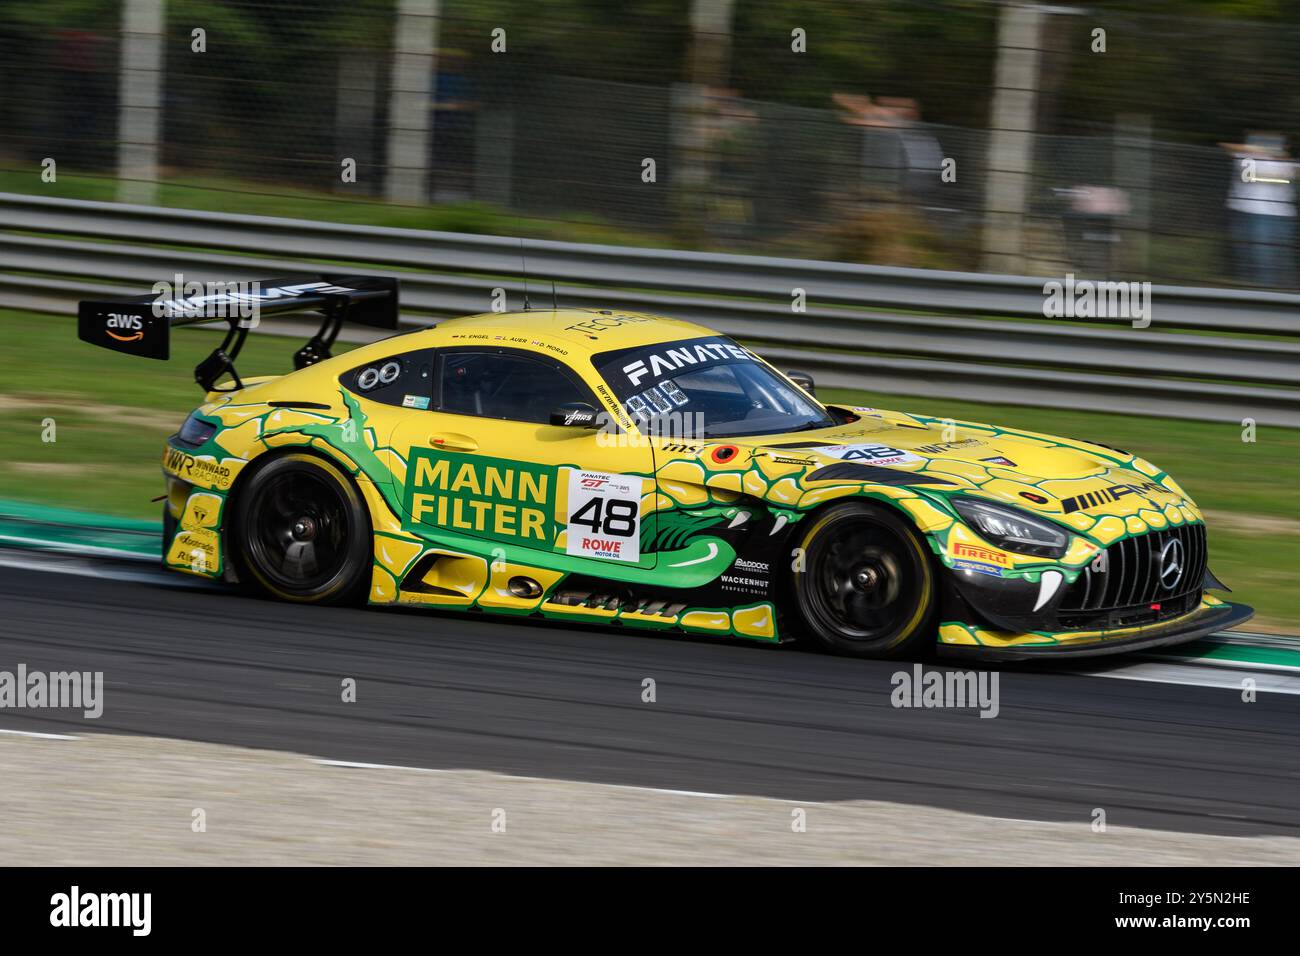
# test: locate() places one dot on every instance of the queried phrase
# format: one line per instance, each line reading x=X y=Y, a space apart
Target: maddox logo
x=130 y=328
x=509 y=501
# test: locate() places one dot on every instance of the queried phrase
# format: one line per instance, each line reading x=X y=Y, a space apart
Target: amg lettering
x=1094 y=499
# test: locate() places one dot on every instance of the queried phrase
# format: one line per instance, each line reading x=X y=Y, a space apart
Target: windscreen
x=720 y=387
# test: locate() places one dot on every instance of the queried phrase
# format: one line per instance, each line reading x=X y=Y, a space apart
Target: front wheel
x=301 y=532
x=865 y=586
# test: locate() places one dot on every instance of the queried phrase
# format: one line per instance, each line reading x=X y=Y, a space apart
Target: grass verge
x=218 y=194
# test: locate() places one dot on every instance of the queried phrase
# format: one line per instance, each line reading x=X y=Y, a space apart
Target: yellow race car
x=629 y=469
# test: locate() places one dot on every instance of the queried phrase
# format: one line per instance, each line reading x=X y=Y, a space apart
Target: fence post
x=708 y=66
x=1133 y=175
x=354 y=118
x=494 y=156
x=1011 y=146
x=139 y=113
x=410 y=102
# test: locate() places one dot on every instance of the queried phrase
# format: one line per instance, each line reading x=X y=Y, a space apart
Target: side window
x=405 y=379
x=500 y=384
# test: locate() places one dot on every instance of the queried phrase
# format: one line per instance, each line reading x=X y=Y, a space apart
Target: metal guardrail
x=1202 y=358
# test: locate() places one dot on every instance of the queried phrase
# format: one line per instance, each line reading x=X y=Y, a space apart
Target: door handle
x=453 y=440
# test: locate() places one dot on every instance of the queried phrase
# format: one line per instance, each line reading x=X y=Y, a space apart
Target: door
x=484 y=465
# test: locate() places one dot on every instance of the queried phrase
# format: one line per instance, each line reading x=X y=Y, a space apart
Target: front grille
x=1124 y=584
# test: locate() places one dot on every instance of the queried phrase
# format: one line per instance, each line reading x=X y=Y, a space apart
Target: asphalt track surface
x=446 y=690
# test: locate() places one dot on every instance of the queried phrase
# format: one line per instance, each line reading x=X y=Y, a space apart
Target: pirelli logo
x=1094 y=499
x=978 y=553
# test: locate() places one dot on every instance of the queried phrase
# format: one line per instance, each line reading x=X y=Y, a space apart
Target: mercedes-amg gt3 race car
x=622 y=468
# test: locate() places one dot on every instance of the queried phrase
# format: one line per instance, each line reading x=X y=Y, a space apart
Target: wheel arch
x=795 y=532
x=258 y=462
x=914 y=516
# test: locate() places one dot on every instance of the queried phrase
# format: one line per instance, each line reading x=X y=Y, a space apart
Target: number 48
x=615 y=516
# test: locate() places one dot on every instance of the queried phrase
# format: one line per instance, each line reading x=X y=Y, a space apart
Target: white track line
x=1265 y=666
x=357 y=765
x=1257 y=639
x=32 y=733
x=52 y=547
x=82 y=567
x=1202 y=675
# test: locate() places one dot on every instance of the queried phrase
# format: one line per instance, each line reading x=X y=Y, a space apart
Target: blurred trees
x=1200 y=68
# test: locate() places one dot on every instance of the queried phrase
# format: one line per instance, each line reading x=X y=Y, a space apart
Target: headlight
x=196 y=431
x=1012 y=529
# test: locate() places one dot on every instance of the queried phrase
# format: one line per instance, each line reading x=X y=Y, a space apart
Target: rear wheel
x=301 y=532
x=169 y=529
x=867 y=586
x=169 y=526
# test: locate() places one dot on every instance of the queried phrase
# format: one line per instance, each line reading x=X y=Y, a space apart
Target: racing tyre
x=302 y=532
x=867 y=586
x=169 y=530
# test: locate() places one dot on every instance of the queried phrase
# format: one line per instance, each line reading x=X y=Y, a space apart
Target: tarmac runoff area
x=99 y=800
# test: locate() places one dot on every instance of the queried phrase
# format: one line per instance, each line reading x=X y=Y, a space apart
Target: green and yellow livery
x=630 y=469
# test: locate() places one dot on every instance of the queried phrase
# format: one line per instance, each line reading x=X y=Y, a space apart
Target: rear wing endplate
x=141 y=325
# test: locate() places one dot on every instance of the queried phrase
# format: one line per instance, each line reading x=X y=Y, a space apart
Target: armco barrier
x=1214 y=354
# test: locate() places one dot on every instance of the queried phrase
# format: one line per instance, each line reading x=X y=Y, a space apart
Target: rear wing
x=141 y=325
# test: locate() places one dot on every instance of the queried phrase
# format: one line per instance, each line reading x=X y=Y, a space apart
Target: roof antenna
x=524 y=262
x=554 y=306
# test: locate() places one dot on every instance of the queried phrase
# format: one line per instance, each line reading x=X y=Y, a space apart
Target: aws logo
x=128 y=323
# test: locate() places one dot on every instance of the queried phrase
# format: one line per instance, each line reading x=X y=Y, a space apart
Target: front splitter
x=1198 y=624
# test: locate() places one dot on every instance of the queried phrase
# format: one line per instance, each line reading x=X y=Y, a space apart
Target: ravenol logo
x=509 y=501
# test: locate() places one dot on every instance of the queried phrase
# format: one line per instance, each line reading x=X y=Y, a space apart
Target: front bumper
x=968 y=641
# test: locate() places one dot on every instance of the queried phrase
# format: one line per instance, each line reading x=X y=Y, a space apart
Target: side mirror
x=803 y=380
x=575 y=415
